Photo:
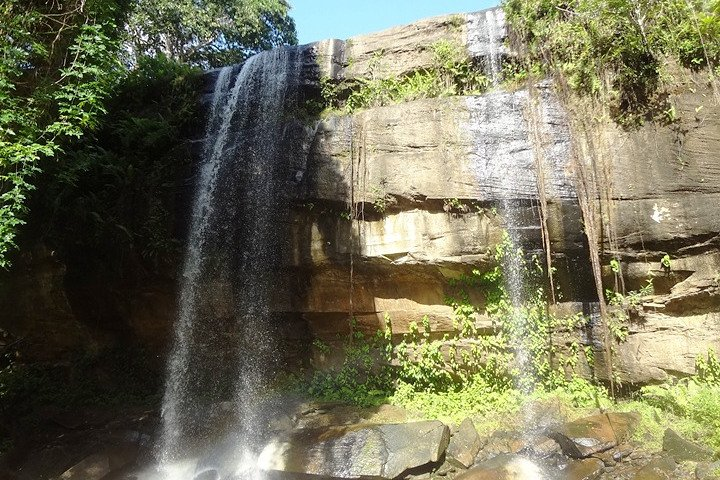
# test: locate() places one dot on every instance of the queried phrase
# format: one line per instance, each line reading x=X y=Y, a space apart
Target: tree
x=208 y=33
x=625 y=44
x=58 y=63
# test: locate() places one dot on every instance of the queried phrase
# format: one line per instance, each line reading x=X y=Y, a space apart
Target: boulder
x=662 y=468
x=502 y=443
x=93 y=467
x=112 y=459
x=684 y=450
x=543 y=447
x=596 y=433
x=586 y=469
x=465 y=444
x=384 y=451
x=504 y=467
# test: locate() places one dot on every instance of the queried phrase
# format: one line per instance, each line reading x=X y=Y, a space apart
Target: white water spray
x=223 y=347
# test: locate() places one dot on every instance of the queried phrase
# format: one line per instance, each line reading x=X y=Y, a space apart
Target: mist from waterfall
x=223 y=352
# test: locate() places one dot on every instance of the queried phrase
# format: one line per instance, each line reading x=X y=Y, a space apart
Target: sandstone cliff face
x=657 y=188
x=404 y=166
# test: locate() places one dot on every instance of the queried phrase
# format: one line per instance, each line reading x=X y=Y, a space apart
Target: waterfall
x=485 y=38
x=223 y=351
x=503 y=159
x=517 y=140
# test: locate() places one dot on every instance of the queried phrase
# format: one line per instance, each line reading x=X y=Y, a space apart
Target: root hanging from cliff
x=537 y=141
x=593 y=183
x=358 y=174
x=587 y=194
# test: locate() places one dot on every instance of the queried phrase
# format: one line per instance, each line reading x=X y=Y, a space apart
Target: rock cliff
x=389 y=203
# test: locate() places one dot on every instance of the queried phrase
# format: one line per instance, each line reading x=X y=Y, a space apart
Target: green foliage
x=361 y=379
x=477 y=397
x=60 y=64
x=707 y=369
x=110 y=199
x=622 y=307
x=619 y=48
x=381 y=200
x=457 y=207
x=457 y=74
x=452 y=73
x=665 y=262
x=694 y=401
x=208 y=33
x=520 y=348
x=465 y=372
x=53 y=85
x=119 y=376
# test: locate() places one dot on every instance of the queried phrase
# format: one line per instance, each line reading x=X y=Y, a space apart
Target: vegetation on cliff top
x=618 y=48
x=451 y=73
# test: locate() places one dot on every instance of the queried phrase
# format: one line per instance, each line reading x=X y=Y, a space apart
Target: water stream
x=485 y=38
x=223 y=352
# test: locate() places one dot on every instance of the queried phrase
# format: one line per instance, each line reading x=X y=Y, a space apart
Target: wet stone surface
x=597 y=433
x=464 y=444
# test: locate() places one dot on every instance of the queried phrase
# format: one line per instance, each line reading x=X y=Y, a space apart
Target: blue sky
x=321 y=19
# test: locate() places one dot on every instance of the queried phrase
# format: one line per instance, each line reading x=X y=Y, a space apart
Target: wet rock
x=93 y=467
x=325 y=414
x=658 y=469
x=504 y=467
x=622 y=451
x=607 y=458
x=707 y=471
x=683 y=450
x=501 y=443
x=597 y=433
x=639 y=455
x=587 y=469
x=280 y=423
x=543 y=447
x=360 y=451
x=99 y=465
x=207 y=475
x=465 y=444
x=612 y=457
x=549 y=413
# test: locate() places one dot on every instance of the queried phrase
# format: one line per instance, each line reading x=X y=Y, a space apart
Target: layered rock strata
x=392 y=202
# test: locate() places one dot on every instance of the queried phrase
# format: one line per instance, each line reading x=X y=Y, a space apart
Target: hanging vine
x=537 y=141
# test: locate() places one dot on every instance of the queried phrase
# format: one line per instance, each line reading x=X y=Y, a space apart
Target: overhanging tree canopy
x=208 y=33
x=61 y=61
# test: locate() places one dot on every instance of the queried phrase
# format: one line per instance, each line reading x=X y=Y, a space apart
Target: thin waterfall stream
x=223 y=353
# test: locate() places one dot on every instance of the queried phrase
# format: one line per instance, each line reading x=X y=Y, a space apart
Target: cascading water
x=223 y=347
x=486 y=33
x=504 y=160
x=511 y=132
